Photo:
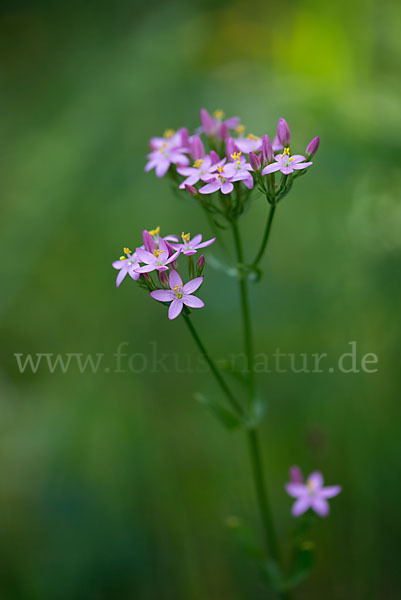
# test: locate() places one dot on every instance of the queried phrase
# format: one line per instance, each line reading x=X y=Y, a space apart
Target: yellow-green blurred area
x=119 y=485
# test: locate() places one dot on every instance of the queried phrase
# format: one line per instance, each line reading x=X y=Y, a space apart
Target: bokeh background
x=118 y=485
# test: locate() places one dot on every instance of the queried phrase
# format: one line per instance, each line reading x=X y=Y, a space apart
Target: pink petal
x=175 y=308
x=174 y=279
x=300 y=166
x=320 y=506
x=120 y=276
x=297 y=158
x=271 y=168
x=227 y=188
x=207 y=243
x=196 y=240
x=286 y=170
x=162 y=167
x=301 y=506
x=193 y=301
x=148 y=241
x=330 y=491
x=296 y=490
x=210 y=188
x=145 y=256
x=135 y=276
x=118 y=264
x=146 y=268
x=192 y=285
x=163 y=295
x=172 y=257
x=316 y=479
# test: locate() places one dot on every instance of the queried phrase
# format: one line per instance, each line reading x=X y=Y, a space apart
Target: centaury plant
x=221 y=167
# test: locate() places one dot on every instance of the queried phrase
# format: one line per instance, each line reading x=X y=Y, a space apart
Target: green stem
x=230 y=397
x=266 y=235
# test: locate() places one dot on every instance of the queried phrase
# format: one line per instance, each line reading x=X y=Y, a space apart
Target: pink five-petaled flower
x=287 y=163
x=161 y=159
x=311 y=494
x=126 y=265
x=157 y=259
x=189 y=246
x=221 y=181
x=171 y=139
x=202 y=169
x=239 y=170
x=216 y=125
x=250 y=143
x=179 y=294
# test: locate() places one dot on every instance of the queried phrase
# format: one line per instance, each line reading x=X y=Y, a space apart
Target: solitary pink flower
x=126 y=265
x=179 y=294
x=200 y=170
x=161 y=159
x=189 y=246
x=287 y=163
x=157 y=259
x=311 y=494
x=216 y=125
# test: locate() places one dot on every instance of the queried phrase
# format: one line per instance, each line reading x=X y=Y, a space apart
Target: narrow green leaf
x=223 y=414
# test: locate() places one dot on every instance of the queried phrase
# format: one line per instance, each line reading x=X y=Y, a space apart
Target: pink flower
x=179 y=294
x=287 y=163
x=221 y=181
x=161 y=159
x=239 y=170
x=189 y=246
x=171 y=139
x=311 y=494
x=216 y=125
x=201 y=170
x=251 y=143
x=156 y=259
x=126 y=265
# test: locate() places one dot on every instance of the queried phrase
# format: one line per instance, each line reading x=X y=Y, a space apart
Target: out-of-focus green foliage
x=117 y=485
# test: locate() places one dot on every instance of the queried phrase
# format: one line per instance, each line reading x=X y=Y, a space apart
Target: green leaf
x=223 y=414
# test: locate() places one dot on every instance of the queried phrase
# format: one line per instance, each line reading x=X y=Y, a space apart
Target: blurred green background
x=117 y=485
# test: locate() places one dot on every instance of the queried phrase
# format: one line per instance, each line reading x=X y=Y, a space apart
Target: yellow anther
x=154 y=231
x=286 y=152
x=185 y=237
x=236 y=156
x=198 y=163
x=169 y=133
x=178 y=291
x=252 y=137
x=218 y=114
x=123 y=258
x=127 y=251
x=240 y=129
x=220 y=169
x=163 y=147
x=310 y=485
x=156 y=252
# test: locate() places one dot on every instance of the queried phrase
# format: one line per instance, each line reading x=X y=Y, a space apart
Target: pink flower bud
x=283 y=132
x=214 y=156
x=200 y=265
x=254 y=161
x=312 y=147
x=296 y=474
x=267 y=150
x=196 y=147
x=230 y=147
x=223 y=131
x=184 y=137
x=148 y=241
x=208 y=123
x=191 y=190
x=163 y=278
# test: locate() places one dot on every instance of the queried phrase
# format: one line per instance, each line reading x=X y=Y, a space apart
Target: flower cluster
x=220 y=157
x=157 y=255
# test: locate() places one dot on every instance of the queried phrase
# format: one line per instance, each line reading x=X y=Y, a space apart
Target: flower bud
x=296 y=475
x=196 y=148
x=200 y=265
x=191 y=190
x=223 y=131
x=148 y=241
x=163 y=278
x=214 y=156
x=312 y=147
x=267 y=150
x=230 y=147
x=184 y=137
x=148 y=280
x=254 y=161
x=283 y=132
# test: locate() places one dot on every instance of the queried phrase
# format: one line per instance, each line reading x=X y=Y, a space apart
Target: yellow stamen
x=218 y=114
x=156 y=252
x=240 y=129
x=169 y=133
x=127 y=251
x=155 y=231
x=178 y=291
x=310 y=485
x=185 y=237
x=252 y=137
x=236 y=156
x=123 y=258
x=198 y=163
x=220 y=169
x=286 y=151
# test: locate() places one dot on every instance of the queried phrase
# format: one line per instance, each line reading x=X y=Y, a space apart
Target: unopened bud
x=163 y=278
x=200 y=265
x=197 y=148
x=283 y=132
x=230 y=147
x=312 y=147
x=254 y=161
x=223 y=131
x=296 y=475
x=214 y=156
x=191 y=190
x=148 y=280
x=267 y=150
x=184 y=137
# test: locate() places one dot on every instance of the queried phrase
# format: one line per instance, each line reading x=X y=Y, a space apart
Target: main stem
x=265 y=236
x=253 y=438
